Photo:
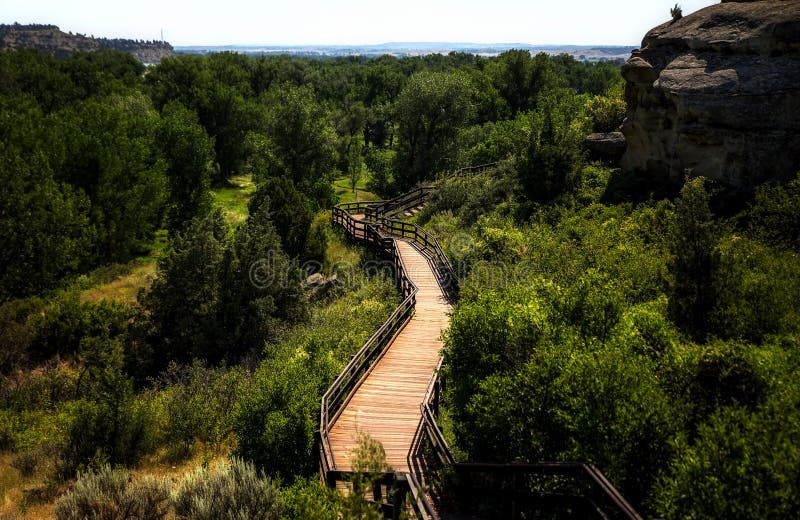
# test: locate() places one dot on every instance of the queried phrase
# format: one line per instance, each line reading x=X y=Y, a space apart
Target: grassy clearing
x=122 y=282
x=233 y=198
x=345 y=192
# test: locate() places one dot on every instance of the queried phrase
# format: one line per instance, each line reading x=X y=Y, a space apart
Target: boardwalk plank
x=386 y=405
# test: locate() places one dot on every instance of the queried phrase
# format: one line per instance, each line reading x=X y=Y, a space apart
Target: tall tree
x=184 y=298
x=301 y=140
x=693 y=240
x=189 y=153
x=429 y=111
x=44 y=225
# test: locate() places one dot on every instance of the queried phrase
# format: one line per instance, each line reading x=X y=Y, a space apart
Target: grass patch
x=345 y=193
x=233 y=198
x=122 y=282
x=124 y=288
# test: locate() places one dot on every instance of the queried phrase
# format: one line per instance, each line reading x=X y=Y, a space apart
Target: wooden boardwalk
x=387 y=404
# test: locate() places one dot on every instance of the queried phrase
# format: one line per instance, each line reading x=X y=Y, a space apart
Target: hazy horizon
x=355 y=22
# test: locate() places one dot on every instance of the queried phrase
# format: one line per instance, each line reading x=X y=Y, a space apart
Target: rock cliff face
x=718 y=92
x=50 y=39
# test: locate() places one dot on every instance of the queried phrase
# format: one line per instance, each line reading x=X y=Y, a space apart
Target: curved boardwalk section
x=387 y=403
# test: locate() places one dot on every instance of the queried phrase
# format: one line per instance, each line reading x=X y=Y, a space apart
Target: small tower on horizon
x=162 y=36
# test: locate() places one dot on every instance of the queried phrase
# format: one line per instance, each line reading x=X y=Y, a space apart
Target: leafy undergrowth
x=233 y=198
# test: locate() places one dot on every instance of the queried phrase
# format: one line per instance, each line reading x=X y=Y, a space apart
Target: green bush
x=471 y=196
x=775 y=214
x=112 y=426
x=607 y=112
x=110 y=494
x=603 y=406
x=234 y=491
x=66 y=321
x=196 y=402
x=318 y=238
x=16 y=332
x=756 y=289
x=743 y=464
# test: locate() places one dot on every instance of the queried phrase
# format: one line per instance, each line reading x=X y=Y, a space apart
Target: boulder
x=607 y=147
x=717 y=92
x=317 y=284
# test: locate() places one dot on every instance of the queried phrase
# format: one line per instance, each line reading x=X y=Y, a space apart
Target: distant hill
x=49 y=38
x=401 y=49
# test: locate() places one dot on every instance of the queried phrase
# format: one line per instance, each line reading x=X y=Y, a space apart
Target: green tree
x=558 y=128
x=183 y=300
x=429 y=111
x=301 y=140
x=693 y=239
x=355 y=162
x=289 y=211
x=190 y=154
x=218 y=89
x=260 y=286
x=117 y=164
x=44 y=226
x=520 y=78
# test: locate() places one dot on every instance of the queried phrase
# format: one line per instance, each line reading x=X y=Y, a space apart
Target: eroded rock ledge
x=718 y=92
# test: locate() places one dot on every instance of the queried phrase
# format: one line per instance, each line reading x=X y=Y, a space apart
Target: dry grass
x=125 y=287
x=26 y=498
x=33 y=499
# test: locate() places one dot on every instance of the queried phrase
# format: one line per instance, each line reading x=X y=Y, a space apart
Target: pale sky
x=301 y=22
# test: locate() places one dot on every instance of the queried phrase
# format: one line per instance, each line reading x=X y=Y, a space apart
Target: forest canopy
x=651 y=330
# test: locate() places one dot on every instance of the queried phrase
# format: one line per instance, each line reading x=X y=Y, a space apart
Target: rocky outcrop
x=717 y=92
x=50 y=39
x=607 y=147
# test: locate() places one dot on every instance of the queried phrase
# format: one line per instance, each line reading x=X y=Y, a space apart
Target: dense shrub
x=756 y=289
x=607 y=112
x=545 y=373
x=470 y=196
x=234 y=491
x=197 y=403
x=110 y=494
x=743 y=464
x=66 y=321
x=112 y=425
x=775 y=214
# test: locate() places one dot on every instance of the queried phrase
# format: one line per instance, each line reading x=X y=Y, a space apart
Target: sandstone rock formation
x=717 y=92
x=50 y=39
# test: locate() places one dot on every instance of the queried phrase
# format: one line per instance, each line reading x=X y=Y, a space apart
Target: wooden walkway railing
x=508 y=485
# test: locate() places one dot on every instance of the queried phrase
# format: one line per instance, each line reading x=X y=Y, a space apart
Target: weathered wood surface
x=387 y=404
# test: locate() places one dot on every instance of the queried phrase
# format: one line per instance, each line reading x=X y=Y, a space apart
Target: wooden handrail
x=342 y=389
x=377 y=231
